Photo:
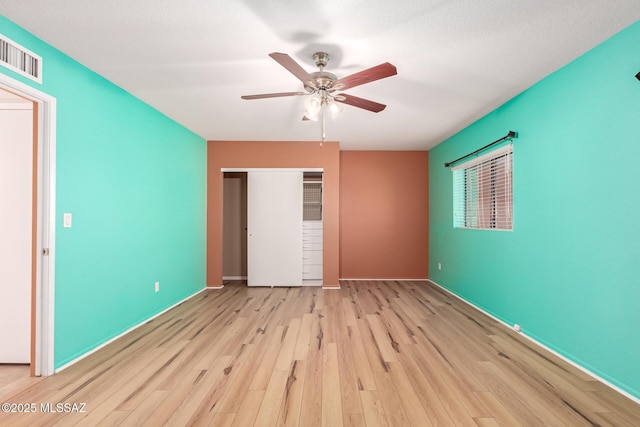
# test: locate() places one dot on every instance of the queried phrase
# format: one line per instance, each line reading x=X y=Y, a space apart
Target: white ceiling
x=457 y=59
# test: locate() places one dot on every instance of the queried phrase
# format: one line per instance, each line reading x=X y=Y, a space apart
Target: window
x=482 y=191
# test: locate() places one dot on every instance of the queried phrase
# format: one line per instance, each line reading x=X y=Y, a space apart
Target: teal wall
x=135 y=182
x=569 y=272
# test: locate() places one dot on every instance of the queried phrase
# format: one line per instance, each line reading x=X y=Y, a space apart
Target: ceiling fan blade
x=365 y=76
x=361 y=103
x=273 y=95
x=292 y=66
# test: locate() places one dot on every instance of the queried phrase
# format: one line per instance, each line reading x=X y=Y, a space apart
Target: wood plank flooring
x=370 y=354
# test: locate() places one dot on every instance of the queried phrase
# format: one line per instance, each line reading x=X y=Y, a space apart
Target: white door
x=16 y=180
x=274 y=221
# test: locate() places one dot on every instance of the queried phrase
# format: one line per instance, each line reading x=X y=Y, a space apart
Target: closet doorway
x=234 y=230
x=267 y=239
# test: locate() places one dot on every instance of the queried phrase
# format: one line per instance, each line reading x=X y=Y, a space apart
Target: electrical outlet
x=439 y=266
x=157 y=286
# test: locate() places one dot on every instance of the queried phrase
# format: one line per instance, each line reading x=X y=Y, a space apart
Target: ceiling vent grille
x=21 y=60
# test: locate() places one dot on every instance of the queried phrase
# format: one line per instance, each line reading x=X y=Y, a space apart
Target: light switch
x=66 y=220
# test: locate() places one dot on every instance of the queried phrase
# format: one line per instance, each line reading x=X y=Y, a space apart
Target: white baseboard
x=104 y=344
x=234 y=277
x=539 y=344
x=215 y=287
x=330 y=288
x=384 y=280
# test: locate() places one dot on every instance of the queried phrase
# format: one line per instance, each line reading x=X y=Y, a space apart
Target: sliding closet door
x=274 y=218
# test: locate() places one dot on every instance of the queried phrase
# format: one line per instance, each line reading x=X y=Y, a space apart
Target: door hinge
x=45 y=251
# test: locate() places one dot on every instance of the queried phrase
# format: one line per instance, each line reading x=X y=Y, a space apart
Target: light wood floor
x=370 y=354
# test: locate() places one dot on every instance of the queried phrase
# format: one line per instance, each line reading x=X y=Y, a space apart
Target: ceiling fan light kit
x=313 y=105
x=321 y=86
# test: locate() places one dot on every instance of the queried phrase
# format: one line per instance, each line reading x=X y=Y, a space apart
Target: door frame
x=43 y=286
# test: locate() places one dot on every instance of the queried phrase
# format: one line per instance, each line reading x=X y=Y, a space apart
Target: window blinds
x=482 y=191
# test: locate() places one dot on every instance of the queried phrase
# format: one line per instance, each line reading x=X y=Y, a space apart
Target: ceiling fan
x=323 y=86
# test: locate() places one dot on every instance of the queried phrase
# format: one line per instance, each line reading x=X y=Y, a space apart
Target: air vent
x=21 y=60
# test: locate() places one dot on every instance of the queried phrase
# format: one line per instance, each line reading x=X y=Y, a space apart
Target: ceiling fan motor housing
x=321 y=80
x=321 y=59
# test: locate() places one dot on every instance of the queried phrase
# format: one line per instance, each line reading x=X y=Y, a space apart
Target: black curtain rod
x=511 y=134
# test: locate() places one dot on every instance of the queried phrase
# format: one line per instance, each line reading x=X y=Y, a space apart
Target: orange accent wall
x=267 y=154
x=384 y=214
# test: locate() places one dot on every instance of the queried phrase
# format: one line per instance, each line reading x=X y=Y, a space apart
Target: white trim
x=134 y=327
x=234 y=277
x=311 y=283
x=331 y=288
x=533 y=340
x=215 y=287
x=272 y=169
x=46 y=217
x=385 y=280
x=486 y=229
x=479 y=159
